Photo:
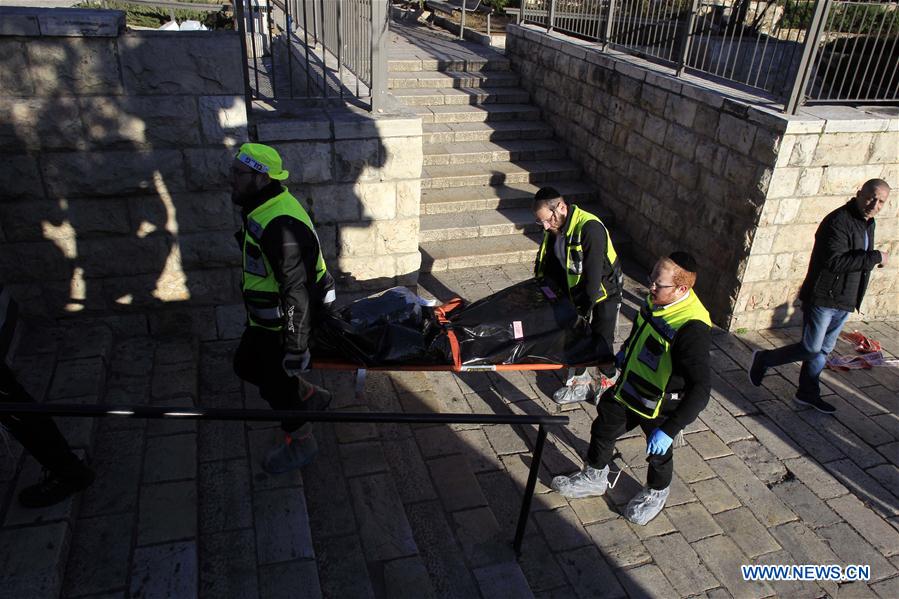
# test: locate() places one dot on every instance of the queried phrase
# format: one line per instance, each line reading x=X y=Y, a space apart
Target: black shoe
x=817 y=403
x=55 y=488
x=756 y=370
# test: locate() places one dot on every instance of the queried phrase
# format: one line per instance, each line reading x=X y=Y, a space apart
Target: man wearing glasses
x=842 y=260
x=577 y=255
x=285 y=283
x=664 y=384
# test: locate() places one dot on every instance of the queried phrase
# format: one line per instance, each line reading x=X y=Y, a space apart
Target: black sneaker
x=55 y=488
x=756 y=370
x=817 y=403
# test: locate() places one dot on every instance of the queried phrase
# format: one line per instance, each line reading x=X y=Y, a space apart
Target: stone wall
x=682 y=166
x=820 y=163
x=114 y=196
x=116 y=148
x=360 y=177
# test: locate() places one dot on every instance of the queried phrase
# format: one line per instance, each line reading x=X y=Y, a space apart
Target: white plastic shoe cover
x=577 y=388
x=589 y=482
x=646 y=505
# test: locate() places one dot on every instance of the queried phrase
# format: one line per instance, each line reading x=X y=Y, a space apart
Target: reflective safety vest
x=261 y=292
x=574 y=251
x=647 y=364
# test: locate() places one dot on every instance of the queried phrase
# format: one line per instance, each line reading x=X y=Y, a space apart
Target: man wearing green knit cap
x=285 y=283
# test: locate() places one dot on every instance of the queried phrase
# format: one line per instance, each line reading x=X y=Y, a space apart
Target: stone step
x=485 y=113
x=471 y=152
x=416 y=65
x=484 y=131
x=500 y=173
x=438 y=256
x=490 y=223
x=446 y=79
x=519 y=195
x=462 y=95
x=470 y=225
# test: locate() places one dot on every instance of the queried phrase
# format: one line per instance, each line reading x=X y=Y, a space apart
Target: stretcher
x=525 y=327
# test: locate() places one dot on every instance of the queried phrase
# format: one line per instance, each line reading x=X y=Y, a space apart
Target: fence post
x=807 y=59
x=378 y=54
x=462 y=22
x=551 y=17
x=686 y=37
x=536 y=457
x=610 y=14
x=240 y=16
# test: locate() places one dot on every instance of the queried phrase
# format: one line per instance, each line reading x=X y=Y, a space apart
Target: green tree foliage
x=142 y=15
x=844 y=17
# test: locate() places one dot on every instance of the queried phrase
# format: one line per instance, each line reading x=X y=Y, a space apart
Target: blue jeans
x=820 y=329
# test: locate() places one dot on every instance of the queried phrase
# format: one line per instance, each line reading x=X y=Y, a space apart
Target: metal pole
x=270 y=5
x=306 y=42
x=339 y=25
x=607 y=34
x=806 y=59
x=529 y=490
x=265 y=415
x=462 y=22
x=239 y=16
x=289 y=47
x=551 y=18
x=378 y=54
x=686 y=37
x=324 y=42
x=253 y=40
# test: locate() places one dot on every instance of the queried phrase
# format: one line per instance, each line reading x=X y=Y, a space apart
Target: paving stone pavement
x=182 y=509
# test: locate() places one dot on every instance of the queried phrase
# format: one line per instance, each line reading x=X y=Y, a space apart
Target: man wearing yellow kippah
x=285 y=283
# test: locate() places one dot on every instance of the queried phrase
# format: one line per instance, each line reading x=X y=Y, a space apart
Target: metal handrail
x=338 y=48
x=191 y=413
x=782 y=49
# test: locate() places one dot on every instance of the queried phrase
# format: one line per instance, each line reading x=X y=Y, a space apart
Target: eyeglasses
x=552 y=210
x=652 y=284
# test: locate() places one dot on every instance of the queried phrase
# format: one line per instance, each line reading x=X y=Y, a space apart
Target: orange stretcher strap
x=440 y=312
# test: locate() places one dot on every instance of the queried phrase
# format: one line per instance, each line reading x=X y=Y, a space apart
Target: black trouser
x=38 y=434
x=258 y=361
x=612 y=421
x=603 y=321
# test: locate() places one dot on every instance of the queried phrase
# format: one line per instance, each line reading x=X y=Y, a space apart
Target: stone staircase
x=486 y=152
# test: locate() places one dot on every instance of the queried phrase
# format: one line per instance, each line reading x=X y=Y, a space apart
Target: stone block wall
x=360 y=177
x=682 y=166
x=114 y=196
x=820 y=164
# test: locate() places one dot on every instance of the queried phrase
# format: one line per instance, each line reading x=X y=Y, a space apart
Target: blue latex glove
x=658 y=442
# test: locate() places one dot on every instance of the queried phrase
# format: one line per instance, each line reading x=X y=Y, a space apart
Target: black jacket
x=841 y=262
x=292 y=250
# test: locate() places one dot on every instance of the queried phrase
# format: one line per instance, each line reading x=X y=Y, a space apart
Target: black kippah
x=685 y=260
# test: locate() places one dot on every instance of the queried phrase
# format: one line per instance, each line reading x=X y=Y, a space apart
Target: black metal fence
x=196 y=413
x=315 y=50
x=796 y=50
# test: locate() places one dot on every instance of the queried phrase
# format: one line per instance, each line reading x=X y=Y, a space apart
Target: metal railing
x=192 y=413
x=795 y=50
x=315 y=50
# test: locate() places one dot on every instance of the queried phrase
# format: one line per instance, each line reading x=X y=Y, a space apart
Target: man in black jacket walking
x=838 y=272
